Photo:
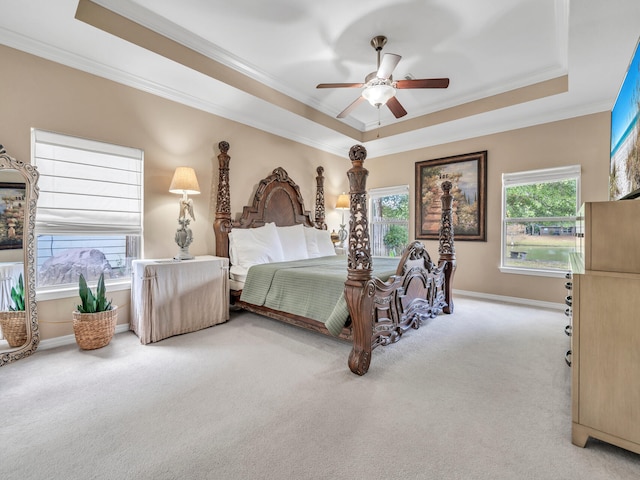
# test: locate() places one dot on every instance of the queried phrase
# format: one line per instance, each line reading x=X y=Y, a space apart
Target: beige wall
x=53 y=97
x=583 y=140
x=49 y=96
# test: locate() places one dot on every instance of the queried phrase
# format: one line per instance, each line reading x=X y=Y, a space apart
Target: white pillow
x=325 y=245
x=294 y=245
x=238 y=273
x=312 y=242
x=253 y=246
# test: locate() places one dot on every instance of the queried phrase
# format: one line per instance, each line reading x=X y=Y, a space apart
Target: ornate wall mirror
x=19 y=334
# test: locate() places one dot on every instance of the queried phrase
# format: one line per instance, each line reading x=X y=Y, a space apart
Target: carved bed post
x=222 y=223
x=319 y=215
x=359 y=287
x=446 y=248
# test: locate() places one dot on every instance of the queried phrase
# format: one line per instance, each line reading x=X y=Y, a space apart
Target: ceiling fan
x=379 y=88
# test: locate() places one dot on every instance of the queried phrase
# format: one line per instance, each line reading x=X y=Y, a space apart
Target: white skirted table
x=171 y=297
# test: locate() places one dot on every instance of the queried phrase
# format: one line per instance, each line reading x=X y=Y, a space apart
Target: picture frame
x=468 y=174
x=12 y=205
x=624 y=161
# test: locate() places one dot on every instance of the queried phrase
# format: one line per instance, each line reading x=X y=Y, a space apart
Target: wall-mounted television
x=624 y=162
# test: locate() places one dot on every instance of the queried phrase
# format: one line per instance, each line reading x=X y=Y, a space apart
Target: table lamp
x=185 y=182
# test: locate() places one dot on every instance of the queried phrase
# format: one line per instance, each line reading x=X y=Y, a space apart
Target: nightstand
x=171 y=297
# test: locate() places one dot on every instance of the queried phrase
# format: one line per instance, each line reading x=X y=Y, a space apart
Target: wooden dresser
x=605 y=341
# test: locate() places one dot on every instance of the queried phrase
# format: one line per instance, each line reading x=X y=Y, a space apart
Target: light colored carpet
x=481 y=394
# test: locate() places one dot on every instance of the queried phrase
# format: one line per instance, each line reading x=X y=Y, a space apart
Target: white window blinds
x=387 y=191
x=541 y=176
x=87 y=186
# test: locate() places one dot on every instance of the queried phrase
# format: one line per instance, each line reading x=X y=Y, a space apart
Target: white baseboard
x=71 y=339
x=518 y=300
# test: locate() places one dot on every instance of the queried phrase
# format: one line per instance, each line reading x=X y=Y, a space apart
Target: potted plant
x=94 y=320
x=14 y=321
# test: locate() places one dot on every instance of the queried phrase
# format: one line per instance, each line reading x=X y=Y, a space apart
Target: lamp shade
x=343 y=201
x=378 y=94
x=184 y=181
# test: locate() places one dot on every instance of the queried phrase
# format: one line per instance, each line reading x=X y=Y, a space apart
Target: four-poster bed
x=378 y=309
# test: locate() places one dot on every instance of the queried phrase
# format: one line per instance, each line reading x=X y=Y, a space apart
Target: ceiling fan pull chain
x=378 y=136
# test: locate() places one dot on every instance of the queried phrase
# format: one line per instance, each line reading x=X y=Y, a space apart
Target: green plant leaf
x=93 y=303
x=17 y=295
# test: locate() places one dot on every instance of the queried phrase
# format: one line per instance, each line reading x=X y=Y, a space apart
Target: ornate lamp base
x=184 y=237
x=342 y=235
x=184 y=254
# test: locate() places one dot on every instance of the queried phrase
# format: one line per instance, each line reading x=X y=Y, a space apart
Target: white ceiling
x=485 y=47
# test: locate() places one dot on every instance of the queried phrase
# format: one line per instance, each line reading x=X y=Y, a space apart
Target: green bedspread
x=312 y=288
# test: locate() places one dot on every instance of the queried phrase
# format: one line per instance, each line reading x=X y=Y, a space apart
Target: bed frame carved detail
x=277 y=199
x=222 y=223
x=380 y=312
x=320 y=212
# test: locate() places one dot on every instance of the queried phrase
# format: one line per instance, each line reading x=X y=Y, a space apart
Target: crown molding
x=448 y=134
x=172 y=31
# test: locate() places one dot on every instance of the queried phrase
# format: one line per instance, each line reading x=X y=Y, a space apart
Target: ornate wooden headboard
x=277 y=199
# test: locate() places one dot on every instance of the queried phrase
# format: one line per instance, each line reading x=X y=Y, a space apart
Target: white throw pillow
x=238 y=273
x=254 y=246
x=325 y=245
x=294 y=245
x=312 y=242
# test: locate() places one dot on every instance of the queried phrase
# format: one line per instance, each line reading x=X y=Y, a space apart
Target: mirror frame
x=31 y=175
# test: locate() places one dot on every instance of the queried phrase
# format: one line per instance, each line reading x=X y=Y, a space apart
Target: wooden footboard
x=382 y=311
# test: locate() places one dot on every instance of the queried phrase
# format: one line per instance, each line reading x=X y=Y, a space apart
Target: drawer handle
x=568 y=300
x=568 y=312
x=567 y=357
x=567 y=330
x=568 y=285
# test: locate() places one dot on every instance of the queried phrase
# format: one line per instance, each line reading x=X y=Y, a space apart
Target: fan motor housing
x=373 y=76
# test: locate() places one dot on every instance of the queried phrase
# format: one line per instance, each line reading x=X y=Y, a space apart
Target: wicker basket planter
x=94 y=330
x=14 y=327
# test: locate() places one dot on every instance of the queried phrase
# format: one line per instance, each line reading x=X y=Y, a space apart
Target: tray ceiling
x=511 y=63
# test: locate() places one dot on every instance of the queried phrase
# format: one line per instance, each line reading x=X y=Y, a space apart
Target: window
x=538 y=220
x=89 y=212
x=389 y=220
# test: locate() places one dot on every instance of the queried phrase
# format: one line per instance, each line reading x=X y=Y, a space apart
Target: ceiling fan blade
x=387 y=65
x=350 y=108
x=340 y=85
x=395 y=107
x=423 y=83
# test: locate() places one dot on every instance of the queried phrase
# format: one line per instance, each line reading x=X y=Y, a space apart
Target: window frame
x=375 y=193
x=127 y=229
x=546 y=175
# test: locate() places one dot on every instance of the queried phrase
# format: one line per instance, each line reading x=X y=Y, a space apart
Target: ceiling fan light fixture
x=379 y=87
x=378 y=94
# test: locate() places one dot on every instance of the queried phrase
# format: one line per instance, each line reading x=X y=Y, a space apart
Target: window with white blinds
x=91 y=200
x=87 y=185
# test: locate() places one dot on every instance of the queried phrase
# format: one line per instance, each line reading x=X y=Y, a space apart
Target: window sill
x=53 y=293
x=534 y=272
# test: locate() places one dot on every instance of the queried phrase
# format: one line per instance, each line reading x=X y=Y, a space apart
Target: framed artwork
x=624 y=161
x=12 y=203
x=468 y=175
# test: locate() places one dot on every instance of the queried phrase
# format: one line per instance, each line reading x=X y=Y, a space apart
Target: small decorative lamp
x=185 y=182
x=343 y=204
